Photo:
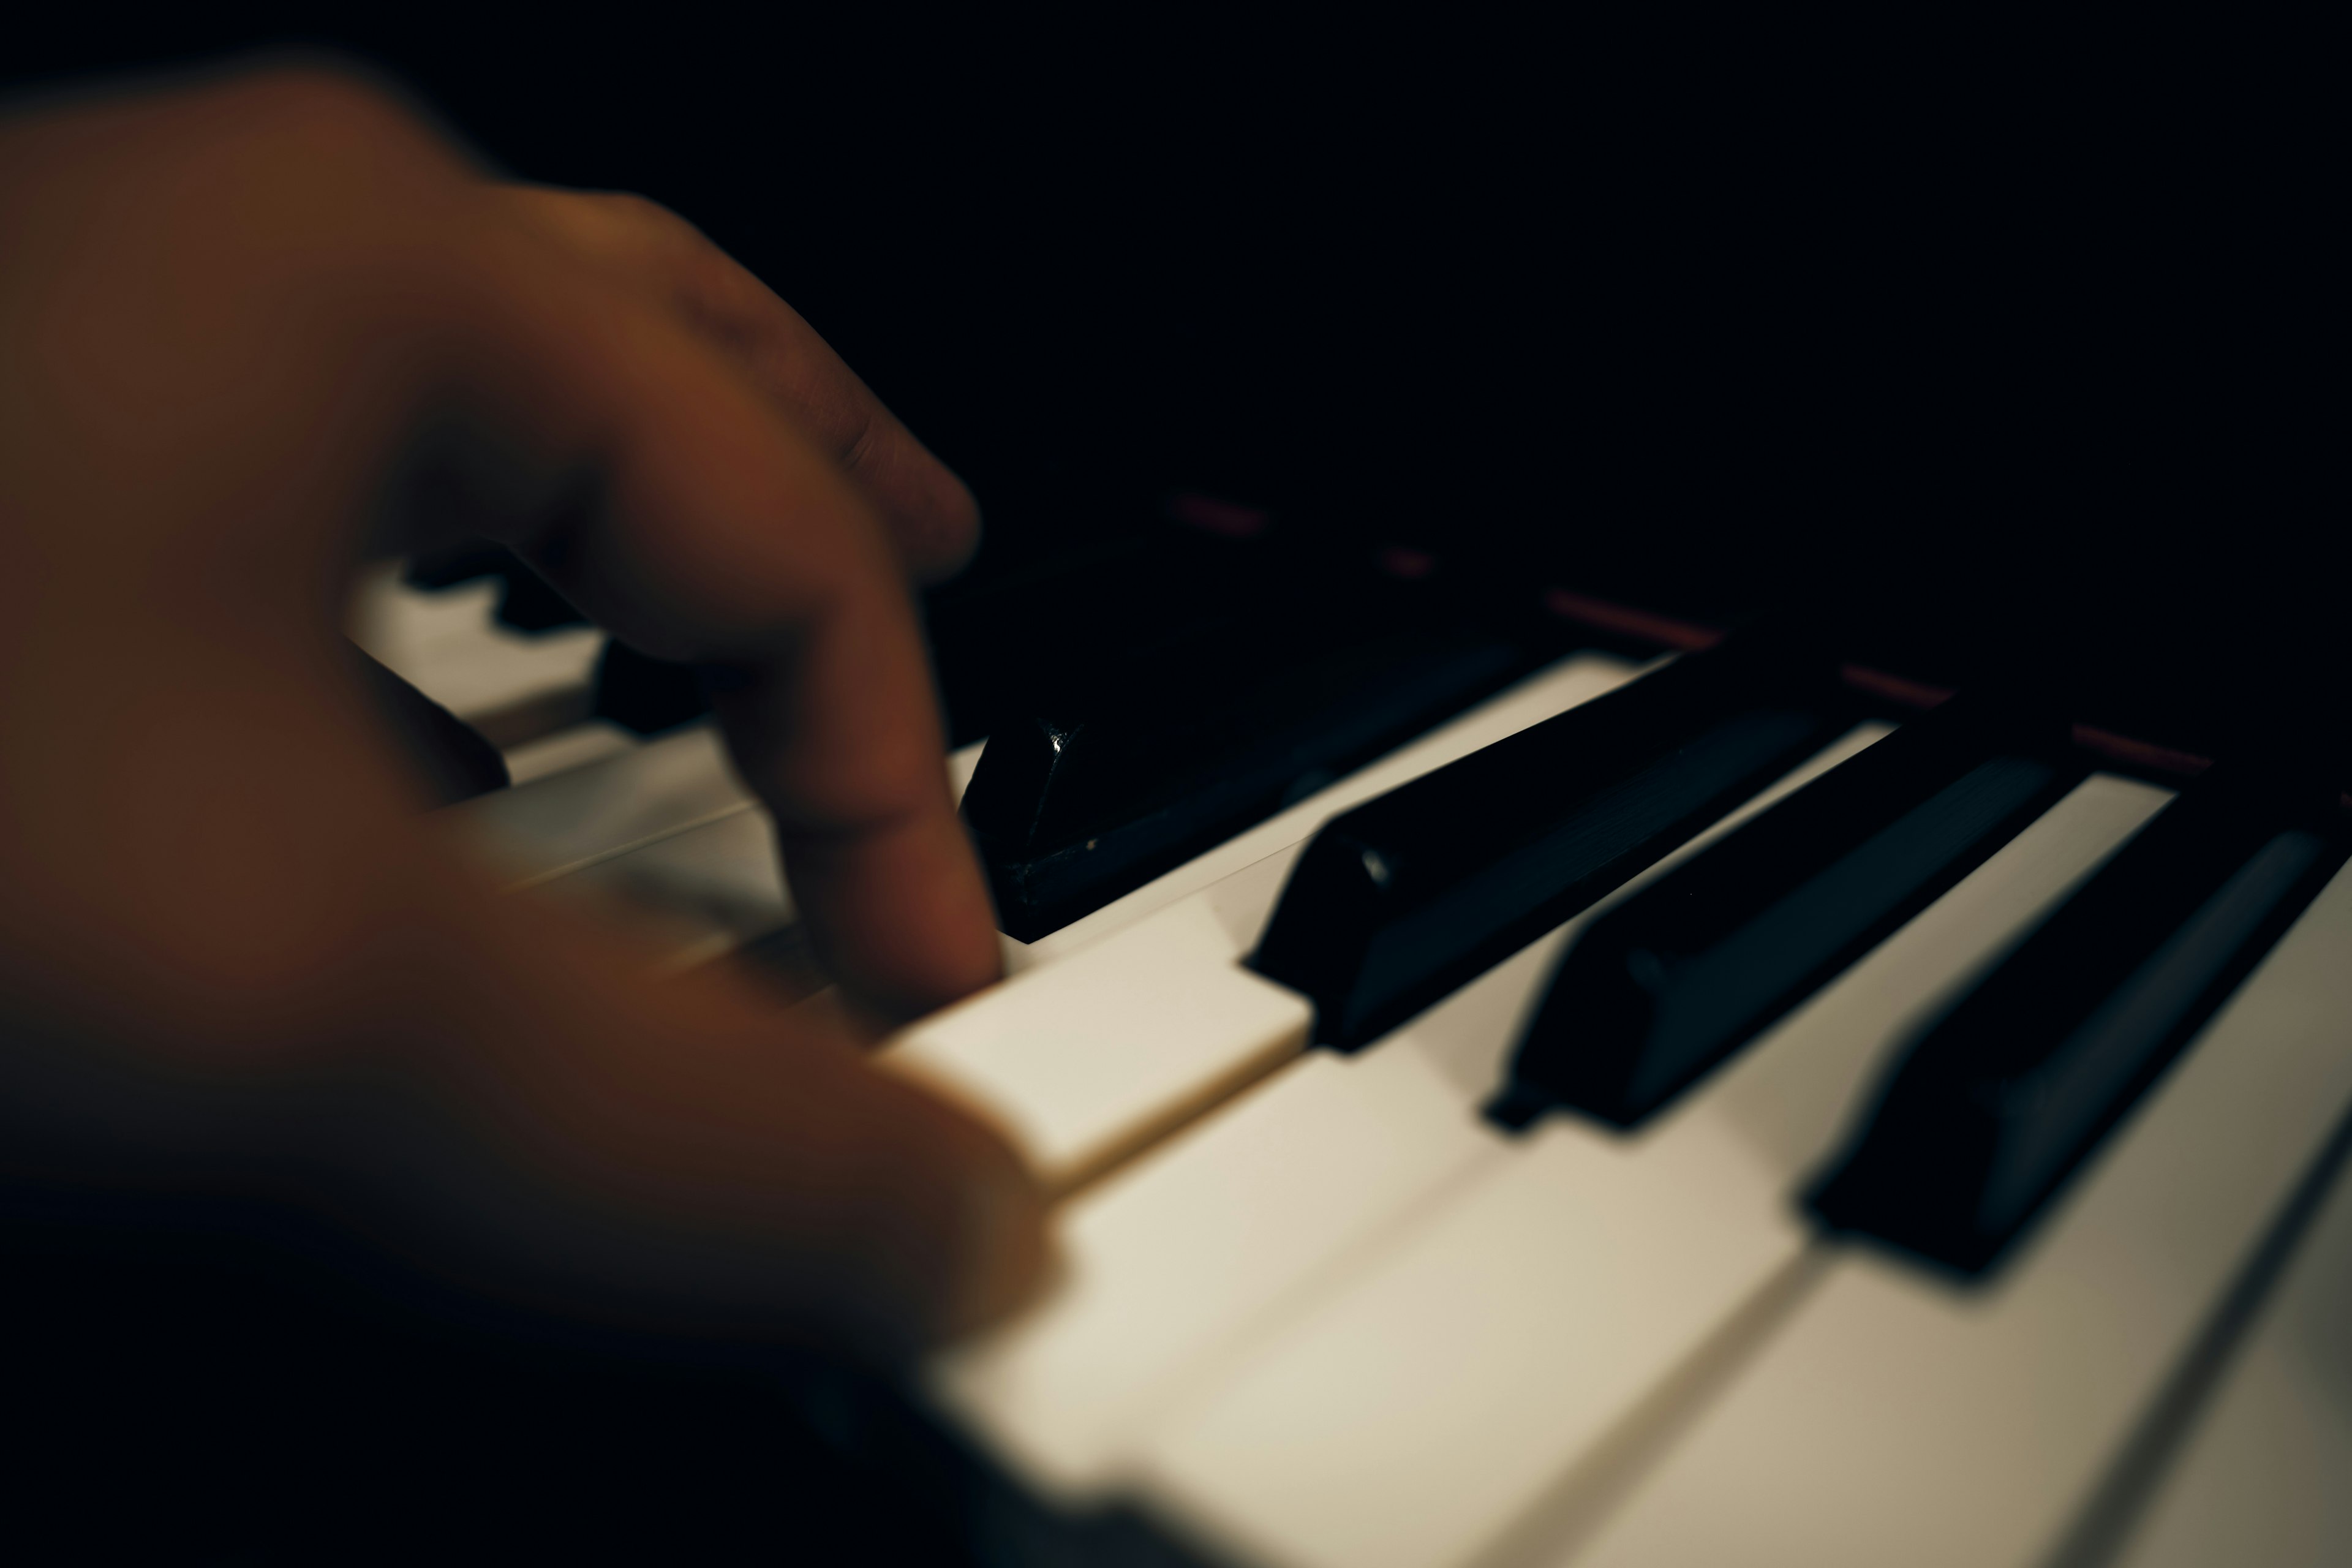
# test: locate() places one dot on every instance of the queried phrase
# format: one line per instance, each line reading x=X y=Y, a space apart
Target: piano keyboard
x=1330 y=1306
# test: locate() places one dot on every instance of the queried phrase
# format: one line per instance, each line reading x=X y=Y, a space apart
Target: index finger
x=714 y=531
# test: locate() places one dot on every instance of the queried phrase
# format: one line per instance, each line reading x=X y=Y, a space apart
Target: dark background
x=2016 y=346
x=2011 y=351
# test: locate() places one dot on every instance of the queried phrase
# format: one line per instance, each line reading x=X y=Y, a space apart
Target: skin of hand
x=257 y=329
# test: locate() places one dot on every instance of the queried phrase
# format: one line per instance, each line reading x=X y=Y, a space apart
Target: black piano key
x=527 y=603
x=449 y=754
x=995 y=639
x=1395 y=903
x=648 y=695
x=1008 y=640
x=1670 y=982
x=2001 y=1100
x=1074 y=807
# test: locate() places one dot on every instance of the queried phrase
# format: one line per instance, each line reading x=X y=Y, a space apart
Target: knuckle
x=959 y=527
x=860 y=427
x=317 y=95
x=641 y=210
x=653 y=227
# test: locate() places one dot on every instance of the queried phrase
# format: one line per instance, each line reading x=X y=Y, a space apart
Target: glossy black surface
x=2001 y=1101
x=1311 y=667
x=1671 y=982
x=1400 y=901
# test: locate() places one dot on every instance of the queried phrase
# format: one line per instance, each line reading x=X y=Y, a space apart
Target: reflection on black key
x=1672 y=981
x=2003 y=1099
x=1398 y=902
x=1135 y=773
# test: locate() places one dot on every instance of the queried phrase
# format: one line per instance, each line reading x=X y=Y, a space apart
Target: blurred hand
x=254 y=331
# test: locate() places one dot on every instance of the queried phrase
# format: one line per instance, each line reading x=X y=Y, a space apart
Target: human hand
x=254 y=331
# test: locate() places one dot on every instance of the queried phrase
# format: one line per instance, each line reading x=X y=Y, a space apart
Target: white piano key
x=556 y=825
x=539 y=831
x=1898 y=1418
x=1171 y=1260
x=1420 y=1411
x=693 y=894
x=2261 y=1474
x=1174 y=1254
x=1088 y=1059
x=696 y=896
x=1546 y=694
x=593 y=741
x=448 y=644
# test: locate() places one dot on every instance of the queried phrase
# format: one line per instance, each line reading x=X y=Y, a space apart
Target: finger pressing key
x=716 y=531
